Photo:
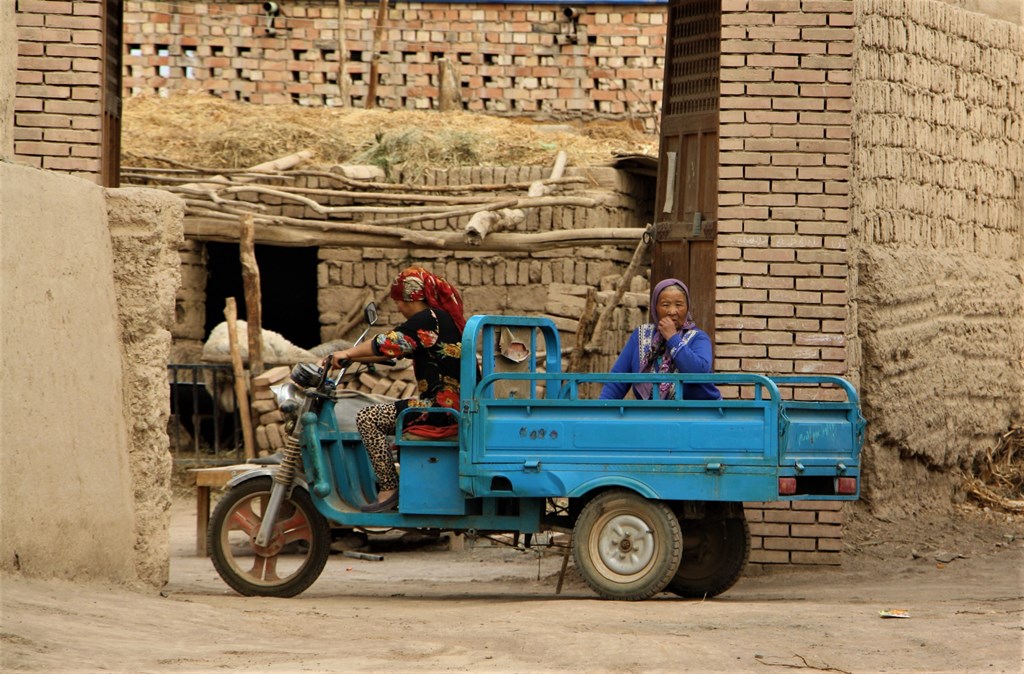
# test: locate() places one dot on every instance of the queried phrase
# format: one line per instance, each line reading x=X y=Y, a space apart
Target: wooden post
x=583 y=332
x=449 y=93
x=253 y=298
x=378 y=36
x=241 y=394
x=342 y=55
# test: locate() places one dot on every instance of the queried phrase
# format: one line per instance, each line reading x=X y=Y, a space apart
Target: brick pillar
x=784 y=204
x=59 y=90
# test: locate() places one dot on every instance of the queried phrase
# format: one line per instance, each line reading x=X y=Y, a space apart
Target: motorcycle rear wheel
x=289 y=563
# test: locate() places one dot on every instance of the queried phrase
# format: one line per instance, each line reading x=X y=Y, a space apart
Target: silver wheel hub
x=625 y=545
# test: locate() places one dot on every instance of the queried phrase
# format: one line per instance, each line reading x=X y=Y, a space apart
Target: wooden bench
x=206 y=478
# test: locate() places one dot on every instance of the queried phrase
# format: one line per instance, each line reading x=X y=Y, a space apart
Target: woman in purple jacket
x=670 y=343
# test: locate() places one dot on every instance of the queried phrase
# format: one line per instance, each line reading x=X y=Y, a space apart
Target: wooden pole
x=583 y=332
x=241 y=394
x=342 y=55
x=627 y=276
x=378 y=37
x=449 y=93
x=253 y=298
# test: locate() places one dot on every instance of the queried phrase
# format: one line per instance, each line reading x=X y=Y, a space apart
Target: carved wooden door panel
x=686 y=210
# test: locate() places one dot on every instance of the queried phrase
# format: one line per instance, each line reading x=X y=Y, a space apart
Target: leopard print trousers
x=375 y=424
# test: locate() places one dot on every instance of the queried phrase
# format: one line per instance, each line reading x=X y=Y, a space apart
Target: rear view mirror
x=371 y=313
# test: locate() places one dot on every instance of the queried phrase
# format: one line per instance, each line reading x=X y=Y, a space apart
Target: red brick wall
x=507 y=62
x=57 y=100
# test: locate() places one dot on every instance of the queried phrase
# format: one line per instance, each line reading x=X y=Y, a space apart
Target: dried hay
x=997 y=478
x=202 y=130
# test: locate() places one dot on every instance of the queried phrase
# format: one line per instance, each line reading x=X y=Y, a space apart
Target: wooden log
x=274 y=165
x=281 y=232
x=482 y=223
x=253 y=297
x=241 y=394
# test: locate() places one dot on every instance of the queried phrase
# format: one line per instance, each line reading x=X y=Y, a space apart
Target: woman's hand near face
x=667 y=327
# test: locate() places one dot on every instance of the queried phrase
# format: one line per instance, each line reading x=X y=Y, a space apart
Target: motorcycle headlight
x=289 y=397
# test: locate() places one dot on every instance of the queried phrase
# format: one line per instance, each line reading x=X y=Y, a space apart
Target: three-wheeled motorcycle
x=652 y=491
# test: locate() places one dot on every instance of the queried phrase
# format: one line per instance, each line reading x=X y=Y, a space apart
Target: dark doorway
x=287 y=282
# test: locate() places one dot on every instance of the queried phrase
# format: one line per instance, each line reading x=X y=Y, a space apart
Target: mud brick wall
x=939 y=231
x=516 y=59
x=550 y=282
x=784 y=183
x=57 y=108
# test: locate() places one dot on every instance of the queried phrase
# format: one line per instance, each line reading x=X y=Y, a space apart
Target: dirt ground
x=490 y=608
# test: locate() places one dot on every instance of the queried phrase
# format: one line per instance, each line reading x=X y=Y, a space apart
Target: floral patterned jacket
x=433 y=342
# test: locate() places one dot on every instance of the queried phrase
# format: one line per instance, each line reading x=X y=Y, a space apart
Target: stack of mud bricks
x=58 y=98
x=510 y=58
x=783 y=273
x=268 y=421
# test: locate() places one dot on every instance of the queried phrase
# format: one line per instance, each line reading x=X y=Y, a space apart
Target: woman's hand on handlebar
x=336 y=360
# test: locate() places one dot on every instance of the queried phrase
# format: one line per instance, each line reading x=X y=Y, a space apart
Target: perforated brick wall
x=517 y=59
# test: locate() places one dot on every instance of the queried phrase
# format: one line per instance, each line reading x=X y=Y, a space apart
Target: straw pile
x=202 y=130
x=997 y=478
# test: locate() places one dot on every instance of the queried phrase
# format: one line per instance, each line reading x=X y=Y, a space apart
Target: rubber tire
x=318 y=540
x=602 y=520
x=715 y=552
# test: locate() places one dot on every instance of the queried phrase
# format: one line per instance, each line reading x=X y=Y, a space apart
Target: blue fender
x=633 y=484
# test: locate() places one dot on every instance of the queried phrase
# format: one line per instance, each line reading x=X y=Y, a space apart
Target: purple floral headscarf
x=651 y=344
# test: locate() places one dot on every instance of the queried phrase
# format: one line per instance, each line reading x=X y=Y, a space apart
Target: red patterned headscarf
x=416 y=283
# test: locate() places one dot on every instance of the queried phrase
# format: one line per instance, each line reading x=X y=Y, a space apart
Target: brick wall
x=784 y=203
x=796 y=532
x=58 y=102
x=512 y=59
x=784 y=218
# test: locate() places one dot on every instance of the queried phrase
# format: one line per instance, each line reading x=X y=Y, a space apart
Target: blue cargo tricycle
x=652 y=491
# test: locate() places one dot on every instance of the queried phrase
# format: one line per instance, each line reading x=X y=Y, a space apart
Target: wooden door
x=110 y=129
x=686 y=207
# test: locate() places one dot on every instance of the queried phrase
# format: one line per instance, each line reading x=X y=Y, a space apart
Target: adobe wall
x=84 y=463
x=8 y=77
x=146 y=231
x=66 y=500
x=513 y=59
x=938 y=233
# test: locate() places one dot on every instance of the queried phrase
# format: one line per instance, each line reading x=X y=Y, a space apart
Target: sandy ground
x=490 y=608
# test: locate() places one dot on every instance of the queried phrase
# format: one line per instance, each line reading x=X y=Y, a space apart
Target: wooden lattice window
x=692 y=77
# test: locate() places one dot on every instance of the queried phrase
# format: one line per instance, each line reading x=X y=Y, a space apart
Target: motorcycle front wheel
x=294 y=556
